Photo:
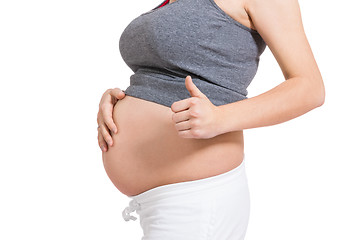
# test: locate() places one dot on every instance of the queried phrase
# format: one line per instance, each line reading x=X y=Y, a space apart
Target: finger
x=106 y=98
x=107 y=115
x=181 y=116
x=185 y=125
x=181 y=105
x=192 y=88
x=111 y=96
x=186 y=134
x=105 y=134
x=102 y=143
x=117 y=93
x=190 y=133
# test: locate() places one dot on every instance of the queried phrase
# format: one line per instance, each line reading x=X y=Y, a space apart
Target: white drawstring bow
x=133 y=205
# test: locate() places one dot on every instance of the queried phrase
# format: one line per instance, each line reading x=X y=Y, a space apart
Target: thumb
x=193 y=90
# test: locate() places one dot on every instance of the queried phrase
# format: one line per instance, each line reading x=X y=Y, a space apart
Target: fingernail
x=103 y=148
x=114 y=130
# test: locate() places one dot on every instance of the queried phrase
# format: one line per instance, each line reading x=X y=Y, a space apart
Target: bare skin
x=147 y=150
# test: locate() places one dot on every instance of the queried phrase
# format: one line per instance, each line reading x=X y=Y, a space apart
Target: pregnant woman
x=173 y=141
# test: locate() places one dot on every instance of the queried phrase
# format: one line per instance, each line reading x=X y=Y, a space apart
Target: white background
x=58 y=57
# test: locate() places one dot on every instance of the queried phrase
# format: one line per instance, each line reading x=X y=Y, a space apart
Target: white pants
x=213 y=208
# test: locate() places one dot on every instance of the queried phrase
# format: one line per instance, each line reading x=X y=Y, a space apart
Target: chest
x=197 y=33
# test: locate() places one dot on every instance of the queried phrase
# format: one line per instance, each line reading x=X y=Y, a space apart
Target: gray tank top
x=190 y=37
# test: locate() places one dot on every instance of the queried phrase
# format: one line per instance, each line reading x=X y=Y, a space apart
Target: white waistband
x=181 y=188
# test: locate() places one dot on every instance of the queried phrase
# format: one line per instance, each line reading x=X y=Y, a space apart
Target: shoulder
x=273 y=10
x=279 y=23
x=276 y=20
x=269 y=4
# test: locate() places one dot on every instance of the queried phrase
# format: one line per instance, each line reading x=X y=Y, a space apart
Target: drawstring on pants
x=133 y=205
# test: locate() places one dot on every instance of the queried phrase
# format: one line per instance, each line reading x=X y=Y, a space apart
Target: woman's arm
x=280 y=25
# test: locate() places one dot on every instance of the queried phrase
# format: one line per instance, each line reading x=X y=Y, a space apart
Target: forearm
x=286 y=101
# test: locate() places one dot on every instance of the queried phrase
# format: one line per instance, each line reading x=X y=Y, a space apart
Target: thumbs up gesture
x=196 y=117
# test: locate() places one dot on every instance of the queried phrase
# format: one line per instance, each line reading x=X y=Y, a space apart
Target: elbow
x=314 y=92
x=319 y=95
x=321 y=101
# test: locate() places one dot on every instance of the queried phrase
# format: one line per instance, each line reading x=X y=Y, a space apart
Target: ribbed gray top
x=190 y=37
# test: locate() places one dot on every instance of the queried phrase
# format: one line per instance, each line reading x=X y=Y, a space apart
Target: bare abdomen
x=148 y=152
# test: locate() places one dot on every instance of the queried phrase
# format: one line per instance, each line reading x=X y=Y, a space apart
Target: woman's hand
x=104 y=117
x=196 y=117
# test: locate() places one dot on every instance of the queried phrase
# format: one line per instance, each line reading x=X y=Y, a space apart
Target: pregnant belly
x=148 y=152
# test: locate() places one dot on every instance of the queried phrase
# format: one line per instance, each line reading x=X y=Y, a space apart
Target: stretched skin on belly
x=148 y=152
